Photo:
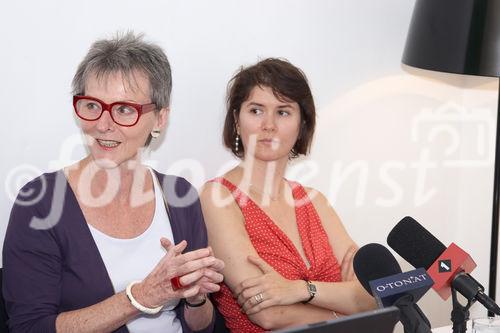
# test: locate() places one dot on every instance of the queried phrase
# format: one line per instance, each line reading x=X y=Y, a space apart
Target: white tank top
x=127 y=260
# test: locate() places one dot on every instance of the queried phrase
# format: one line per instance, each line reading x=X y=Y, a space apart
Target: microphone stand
x=460 y=313
x=411 y=316
x=472 y=290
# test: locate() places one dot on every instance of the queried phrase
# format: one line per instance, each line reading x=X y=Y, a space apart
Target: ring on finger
x=176 y=283
x=258 y=298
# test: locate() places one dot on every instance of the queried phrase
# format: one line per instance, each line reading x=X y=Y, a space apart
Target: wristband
x=311 y=289
x=195 y=305
x=138 y=305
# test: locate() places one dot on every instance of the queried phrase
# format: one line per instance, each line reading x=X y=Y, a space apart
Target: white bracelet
x=138 y=305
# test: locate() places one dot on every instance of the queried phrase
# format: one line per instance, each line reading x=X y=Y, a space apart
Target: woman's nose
x=105 y=122
x=269 y=122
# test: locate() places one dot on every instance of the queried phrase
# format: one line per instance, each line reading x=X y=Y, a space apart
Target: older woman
x=288 y=257
x=97 y=253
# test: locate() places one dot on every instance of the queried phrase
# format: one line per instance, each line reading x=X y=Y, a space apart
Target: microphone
x=379 y=273
x=448 y=267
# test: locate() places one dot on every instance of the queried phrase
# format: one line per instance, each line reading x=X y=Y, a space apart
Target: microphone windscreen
x=414 y=243
x=374 y=261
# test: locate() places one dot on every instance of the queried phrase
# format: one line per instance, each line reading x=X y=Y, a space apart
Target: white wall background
x=391 y=141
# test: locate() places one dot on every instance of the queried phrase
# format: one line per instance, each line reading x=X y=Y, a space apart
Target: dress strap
x=299 y=193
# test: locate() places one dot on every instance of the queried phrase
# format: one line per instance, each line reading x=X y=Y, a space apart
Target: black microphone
x=380 y=274
x=448 y=267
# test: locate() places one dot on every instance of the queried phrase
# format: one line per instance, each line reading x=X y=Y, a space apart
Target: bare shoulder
x=322 y=205
x=218 y=204
x=212 y=190
x=317 y=197
x=325 y=210
x=223 y=217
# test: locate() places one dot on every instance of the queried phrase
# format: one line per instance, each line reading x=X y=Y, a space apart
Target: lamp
x=462 y=37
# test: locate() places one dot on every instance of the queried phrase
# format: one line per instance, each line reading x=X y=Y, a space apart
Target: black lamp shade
x=462 y=37
x=455 y=36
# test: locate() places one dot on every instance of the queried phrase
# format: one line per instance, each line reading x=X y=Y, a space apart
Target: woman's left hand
x=207 y=278
x=270 y=289
x=209 y=282
x=346 y=267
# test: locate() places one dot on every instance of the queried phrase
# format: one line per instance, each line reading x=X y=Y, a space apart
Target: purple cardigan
x=57 y=267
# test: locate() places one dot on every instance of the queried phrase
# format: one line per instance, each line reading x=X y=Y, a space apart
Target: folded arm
x=228 y=237
x=350 y=296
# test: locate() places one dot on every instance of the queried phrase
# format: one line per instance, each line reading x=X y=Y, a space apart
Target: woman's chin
x=104 y=163
x=270 y=156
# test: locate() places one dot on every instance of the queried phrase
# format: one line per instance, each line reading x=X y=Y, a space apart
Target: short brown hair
x=286 y=82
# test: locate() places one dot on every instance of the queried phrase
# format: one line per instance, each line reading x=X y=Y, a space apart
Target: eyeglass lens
x=122 y=114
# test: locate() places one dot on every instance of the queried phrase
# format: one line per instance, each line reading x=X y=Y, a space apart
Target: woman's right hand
x=156 y=289
x=272 y=288
x=346 y=267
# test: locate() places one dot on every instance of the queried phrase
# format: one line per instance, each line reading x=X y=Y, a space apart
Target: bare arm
x=105 y=316
x=230 y=241
x=153 y=291
x=116 y=311
x=344 y=297
x=352 y=296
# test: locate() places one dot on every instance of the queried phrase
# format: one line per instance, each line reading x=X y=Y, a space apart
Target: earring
x=237 y=142
x=155 y=133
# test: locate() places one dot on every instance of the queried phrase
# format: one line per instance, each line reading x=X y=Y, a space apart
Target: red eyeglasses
x=123 y=113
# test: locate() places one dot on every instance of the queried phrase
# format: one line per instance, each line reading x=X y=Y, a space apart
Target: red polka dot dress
x=273 y=245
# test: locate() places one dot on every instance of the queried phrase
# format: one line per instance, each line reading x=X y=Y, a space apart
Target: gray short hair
x=125 y=53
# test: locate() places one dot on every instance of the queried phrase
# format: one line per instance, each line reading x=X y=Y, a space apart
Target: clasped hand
x=198 y=272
